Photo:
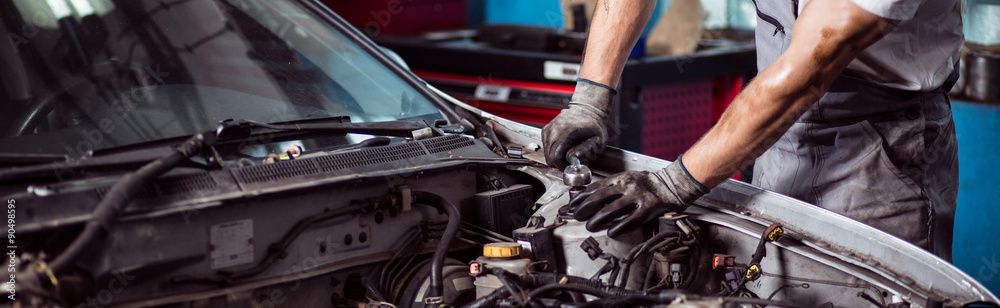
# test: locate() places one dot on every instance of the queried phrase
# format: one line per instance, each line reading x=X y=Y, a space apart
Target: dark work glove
x=583 y=127
x=636 y=197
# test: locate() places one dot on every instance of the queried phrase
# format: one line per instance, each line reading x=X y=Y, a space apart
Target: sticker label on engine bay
x=231 y=243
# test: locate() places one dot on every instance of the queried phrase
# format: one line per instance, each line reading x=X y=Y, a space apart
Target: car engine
x=433 y=219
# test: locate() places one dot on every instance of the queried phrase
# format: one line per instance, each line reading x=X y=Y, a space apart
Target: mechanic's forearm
x=754 y=121
x=827 y=36
x=613 y=32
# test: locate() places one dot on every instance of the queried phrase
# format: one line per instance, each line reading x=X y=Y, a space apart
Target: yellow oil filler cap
x=502 y=250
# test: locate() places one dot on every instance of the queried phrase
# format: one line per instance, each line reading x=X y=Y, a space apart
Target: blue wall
x=976 y=248
x=531 y=12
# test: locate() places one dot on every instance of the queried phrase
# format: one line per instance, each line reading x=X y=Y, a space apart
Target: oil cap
x=502 y=250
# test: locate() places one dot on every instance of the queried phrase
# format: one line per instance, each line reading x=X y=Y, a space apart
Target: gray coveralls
x=882 y=156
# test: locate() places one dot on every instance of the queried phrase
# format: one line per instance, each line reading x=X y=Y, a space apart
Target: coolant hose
x=488 y=301
x=634 y=254
x=543 y=282
x=568 y=287
x=623 y=301
x=108 y=211
x=454 y=221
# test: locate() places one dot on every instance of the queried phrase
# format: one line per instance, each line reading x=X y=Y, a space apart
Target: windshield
x=83 y=75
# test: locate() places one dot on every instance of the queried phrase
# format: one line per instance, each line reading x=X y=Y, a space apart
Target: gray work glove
x=636 y=197
x=583 y=127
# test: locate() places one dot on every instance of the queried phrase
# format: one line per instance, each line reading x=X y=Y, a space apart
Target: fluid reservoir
x=573 y=234
x=504 y=255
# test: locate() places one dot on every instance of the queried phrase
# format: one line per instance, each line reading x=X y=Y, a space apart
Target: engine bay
x=436 y=219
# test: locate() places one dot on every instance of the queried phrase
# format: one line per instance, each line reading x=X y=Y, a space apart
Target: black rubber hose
x=695 y=260
x=567 y=287
x=622 y=301
x=546 y=278
x=488 y=301
x=454 y=222
x=634 y=254
x=108 y=211
x=615 y=270
x=647 y=282
x=550 y=282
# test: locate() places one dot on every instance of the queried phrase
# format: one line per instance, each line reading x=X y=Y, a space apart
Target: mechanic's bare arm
x=826 y=37
x=613 y=32
x=581 y=130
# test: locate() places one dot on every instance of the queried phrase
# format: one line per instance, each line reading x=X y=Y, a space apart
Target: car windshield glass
x=83 y=75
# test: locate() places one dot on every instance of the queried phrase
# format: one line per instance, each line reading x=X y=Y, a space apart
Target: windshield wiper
x=227 y=131
x=241 y=129
x=61 y=168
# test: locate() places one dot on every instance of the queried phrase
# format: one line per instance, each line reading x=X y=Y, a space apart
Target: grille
x=354 y=159
x=187 y=184
x=447 y=143
x=277 y=171
x=202 y=182
x=370 y=156
x=175 y=185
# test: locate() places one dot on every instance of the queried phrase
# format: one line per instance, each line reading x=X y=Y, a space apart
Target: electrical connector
x=721 y=261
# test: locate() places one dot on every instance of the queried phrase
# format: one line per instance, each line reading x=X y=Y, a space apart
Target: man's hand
x=583 y=127
x=614 y=30
x=636 y=197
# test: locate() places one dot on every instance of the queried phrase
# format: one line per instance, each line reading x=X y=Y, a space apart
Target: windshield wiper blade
x=229 y=130
x=240 y=129
x=60 y=168
x=23 y=159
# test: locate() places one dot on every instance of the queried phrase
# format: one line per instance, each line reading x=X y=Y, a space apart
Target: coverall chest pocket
x=769 y=19
x=773 y=32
